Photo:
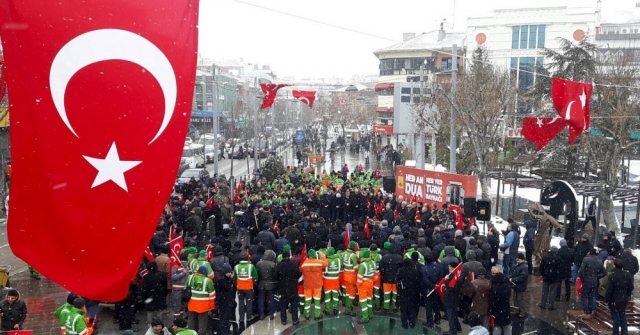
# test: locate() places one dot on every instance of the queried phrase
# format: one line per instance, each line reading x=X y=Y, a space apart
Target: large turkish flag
x=101 y=94
x=572 y=100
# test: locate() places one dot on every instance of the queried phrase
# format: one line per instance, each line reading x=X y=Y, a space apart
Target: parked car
x=199 y=174
x=229 y=144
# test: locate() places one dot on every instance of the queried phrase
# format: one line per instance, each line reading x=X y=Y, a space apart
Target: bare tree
x=482 y=99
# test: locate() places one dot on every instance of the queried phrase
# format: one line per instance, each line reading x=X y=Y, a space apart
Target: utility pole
x=420 y=146
x=452 y=142
x=255 y=141
x=215 y=127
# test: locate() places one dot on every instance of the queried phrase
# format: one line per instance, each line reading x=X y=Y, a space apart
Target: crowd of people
x=313 y=246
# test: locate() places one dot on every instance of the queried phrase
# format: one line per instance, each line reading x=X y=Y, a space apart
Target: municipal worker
x=312 y=270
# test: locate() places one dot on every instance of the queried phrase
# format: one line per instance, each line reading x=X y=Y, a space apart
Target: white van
x=193 y=155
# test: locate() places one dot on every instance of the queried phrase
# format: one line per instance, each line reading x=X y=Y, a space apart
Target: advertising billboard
x=434 y=187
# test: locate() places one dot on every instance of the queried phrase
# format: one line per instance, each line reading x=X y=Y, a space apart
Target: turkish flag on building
x=176 y=246
x=101 y=96
x=541 y=130
x=270 y=90
x=307 y=97
x=572 y=101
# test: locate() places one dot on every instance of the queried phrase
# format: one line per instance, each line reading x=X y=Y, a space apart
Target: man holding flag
x=451 y=298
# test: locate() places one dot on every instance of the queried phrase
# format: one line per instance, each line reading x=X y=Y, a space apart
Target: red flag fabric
x=329 y=244
x=440 y=287
x=579 y=286
x=418 y=214
x=541 y=130
x=276 y=228
x=367 y=231
x=457 y=210
x=303 y=254
x=172 y=232
x=248 y=255
x=210 y=203
x=307 y=97
x=81 y=138
x=176 y=246
x=209 y=253
x=270 y=90
x=148 y=255
x=572 y=101
x=347 y=238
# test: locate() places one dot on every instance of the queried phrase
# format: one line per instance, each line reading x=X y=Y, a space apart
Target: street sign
x=219 y=113
x=241 y=123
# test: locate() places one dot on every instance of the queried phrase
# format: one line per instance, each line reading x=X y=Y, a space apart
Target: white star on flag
x=539 y=122
x=111 y=168
x=583 y=98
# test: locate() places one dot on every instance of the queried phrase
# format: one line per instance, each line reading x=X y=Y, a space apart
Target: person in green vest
x=285 y=248
x=331 y=282
x=349 y=276
x=62 y=311
x=74 y=323
x=202 y=260
x=366 y=270
x=180 y=327
x=246 y=277
x=377 y=281
x=192 y=259
x=410 y=251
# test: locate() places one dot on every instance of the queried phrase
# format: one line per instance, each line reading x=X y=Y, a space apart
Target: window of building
x=524 y=70
x=405 y=90
x=528 y=37
x=445 y=64
x=405 y=98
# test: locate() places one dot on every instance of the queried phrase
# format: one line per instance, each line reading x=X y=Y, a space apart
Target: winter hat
x=353 y=245
x=192 y=250
x=521 y=256
x=266 y=226
x=563 y=243
x=386 y=245
x=365 y=253
x=338 y=195
x=202 y=204
x=286 y=248
x=482 y=272
x=312 y=254
x=331 y=251
x=585 y=236
x=373 y=247
x=202 y=253
x=180 y=322
x=397 y=230
x=226 y=268
x=78 y=303
x=71 y=297
x=203 y=270
x=156 y=322
x=554 y=248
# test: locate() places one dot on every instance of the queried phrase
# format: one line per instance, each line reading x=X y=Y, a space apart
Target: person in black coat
x=566 y=259
x=629 y=260
x=451 y=299
x=550 y=272
x=431 y=274
x=618 y=294
x=519 y=278
x=126 y=309
x=389 y=266
x=408 y=286
x=287 y=275
x=499 y=306
x=225 y=297
x=154 y=291
x=494 y=242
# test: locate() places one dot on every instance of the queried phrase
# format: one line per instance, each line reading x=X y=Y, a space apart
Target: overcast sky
x=301 y=48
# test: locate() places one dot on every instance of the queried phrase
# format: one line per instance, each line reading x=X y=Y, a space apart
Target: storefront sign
x=434 y=187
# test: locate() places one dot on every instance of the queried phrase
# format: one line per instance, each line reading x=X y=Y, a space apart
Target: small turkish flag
x=172 y=232
x=329 y=244
x=276 y=228
x=367 y=231
x=176 y=246
x=307 y=97
x=541 y=130
x=347 y=238
x=270 y=90
x=303 y=254
x=209 y=253
x=571 y=100
x=101 y=97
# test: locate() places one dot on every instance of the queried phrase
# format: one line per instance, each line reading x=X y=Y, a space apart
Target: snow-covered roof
x=427 y=41
x=360 y=87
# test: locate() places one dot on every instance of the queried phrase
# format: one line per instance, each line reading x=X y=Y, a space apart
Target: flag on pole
x=148 y=255
x=176 y=246
x=209 y=252
x=367 y=231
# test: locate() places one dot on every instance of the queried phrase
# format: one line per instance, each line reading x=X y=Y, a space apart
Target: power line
x=396 y=41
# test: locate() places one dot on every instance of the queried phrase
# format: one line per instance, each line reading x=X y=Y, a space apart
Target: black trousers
x=408 y=313
x=223 y=324
x=432 y=307
x=529 y=256
x=567 y=288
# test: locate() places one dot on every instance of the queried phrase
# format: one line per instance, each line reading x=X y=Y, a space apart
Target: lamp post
x=215 y=126
x=255 y=136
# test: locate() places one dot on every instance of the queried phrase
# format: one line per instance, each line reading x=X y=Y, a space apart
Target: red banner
x=434 y=187
x=101 y=94
x=176 y=246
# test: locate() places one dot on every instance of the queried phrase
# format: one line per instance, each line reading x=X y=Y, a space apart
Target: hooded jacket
x=154 y=288
x=218 y=259
x=267 y=271
x=390 y=264
x=449 y=256
x=14 y=313
x=530 y=234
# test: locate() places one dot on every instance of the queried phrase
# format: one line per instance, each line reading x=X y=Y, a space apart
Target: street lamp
x=260 y=96
x=215 y=126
